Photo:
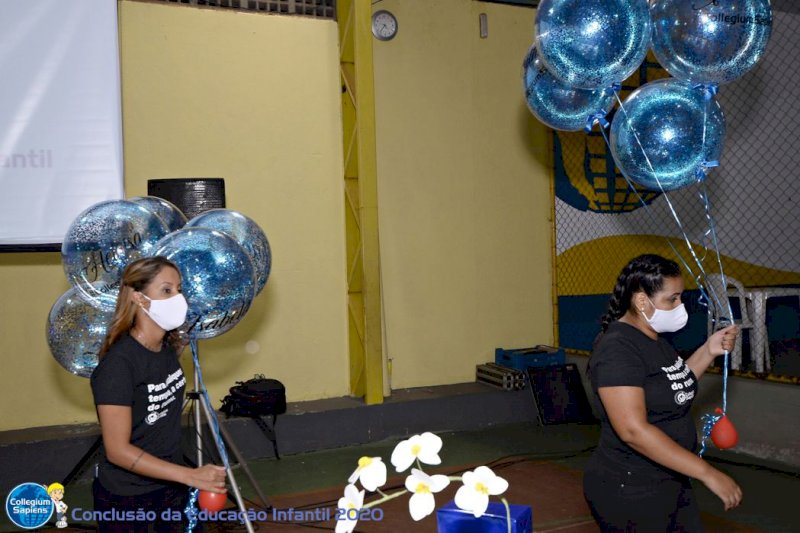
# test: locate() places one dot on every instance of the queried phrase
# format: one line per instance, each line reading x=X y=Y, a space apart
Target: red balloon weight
x=723 y=434
x=211 y=501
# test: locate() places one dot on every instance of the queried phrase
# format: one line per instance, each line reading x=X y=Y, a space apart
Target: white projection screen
x=60 y=117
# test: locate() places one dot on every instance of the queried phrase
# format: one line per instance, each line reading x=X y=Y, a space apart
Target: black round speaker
x=190 y=195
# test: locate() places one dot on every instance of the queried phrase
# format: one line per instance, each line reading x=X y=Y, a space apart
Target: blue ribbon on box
x=451 y=519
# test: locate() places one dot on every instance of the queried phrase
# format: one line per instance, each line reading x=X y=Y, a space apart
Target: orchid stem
x=508 y=513
x=385 y=498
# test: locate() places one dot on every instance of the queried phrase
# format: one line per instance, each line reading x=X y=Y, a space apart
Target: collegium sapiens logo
x=29 y=506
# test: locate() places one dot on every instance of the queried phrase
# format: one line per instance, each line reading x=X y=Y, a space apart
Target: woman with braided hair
x=638 y=478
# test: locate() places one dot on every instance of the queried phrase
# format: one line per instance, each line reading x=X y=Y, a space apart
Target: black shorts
x=625 y=502
x=164 y=503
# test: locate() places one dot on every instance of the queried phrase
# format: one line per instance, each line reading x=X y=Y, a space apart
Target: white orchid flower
x=353 y=500
x=371 y=471
x=479 y=484
x=423 y=486
x=424 y=447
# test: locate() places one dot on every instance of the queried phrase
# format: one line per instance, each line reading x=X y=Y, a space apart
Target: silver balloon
x=166 y=211
x=590 y=44
x=102 y=241
x=217 y=277
x=710 y=41
x=244 y=231
x=75 y=332
x=558 y=105
x=666 y=133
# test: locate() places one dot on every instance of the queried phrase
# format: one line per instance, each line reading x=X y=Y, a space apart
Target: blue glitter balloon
x=75 y=332
x=591 y=44
x=560 y=106
x=710 y=42
x=681 y=132
x=217 y=277
x=166 y=211
x=102 y=241
x=244 y=231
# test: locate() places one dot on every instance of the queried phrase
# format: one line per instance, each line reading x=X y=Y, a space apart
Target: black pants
x=169 y=499
x=620 y=502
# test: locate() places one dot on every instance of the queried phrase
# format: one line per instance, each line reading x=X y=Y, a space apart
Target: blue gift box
x=451 y=519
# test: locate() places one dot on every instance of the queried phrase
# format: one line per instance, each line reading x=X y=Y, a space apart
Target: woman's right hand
x=208 y=477
x=724 y=487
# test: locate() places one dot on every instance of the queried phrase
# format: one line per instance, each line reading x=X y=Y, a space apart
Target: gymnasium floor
x=542 y=464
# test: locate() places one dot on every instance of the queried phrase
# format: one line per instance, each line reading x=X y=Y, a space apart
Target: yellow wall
x=463 y=194
x=463 y=185
x=251 y=98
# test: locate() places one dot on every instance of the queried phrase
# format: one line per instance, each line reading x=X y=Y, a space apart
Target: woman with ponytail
x=138 y=388
x=638 y=478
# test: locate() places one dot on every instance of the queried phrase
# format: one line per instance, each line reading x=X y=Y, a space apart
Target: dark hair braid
x=643 y=273
x=615 y=303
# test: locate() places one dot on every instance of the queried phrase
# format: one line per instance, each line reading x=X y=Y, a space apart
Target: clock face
x=384 y=25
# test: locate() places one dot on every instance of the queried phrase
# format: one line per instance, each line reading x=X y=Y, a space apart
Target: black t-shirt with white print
x=152 y=384
x=625 y=356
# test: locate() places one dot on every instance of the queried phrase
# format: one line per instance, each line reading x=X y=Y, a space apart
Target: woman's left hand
x=722 y=341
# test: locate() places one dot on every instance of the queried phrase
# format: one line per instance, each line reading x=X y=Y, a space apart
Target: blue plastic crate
x=451 y=519
x=536 y=356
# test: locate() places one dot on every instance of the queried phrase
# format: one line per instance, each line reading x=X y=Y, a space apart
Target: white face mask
x=169 y=313
x=667 y=321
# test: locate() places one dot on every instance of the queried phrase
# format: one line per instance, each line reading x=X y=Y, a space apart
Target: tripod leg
x=232 y=447
x=198 y=421
x=231 y=478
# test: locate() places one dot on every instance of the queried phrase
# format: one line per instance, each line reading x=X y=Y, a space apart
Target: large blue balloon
x=665 y=133
x=560 y=106
x=244 y=231
x=75 y=332
x=101 y=242
x=166 y=211
x=710 y=42
x=217 y=277
x=591 y=44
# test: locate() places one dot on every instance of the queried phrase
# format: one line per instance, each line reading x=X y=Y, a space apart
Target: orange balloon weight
x=211 y=501
x=723 y=434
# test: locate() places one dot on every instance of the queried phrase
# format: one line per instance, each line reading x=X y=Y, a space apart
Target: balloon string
x=706 y=103
x=725 y=384
x=712 y=230
x=191 y=510
x=660 y=186
x=710 y=92
x=701 y=284
x=708 y=419
x=647 y=210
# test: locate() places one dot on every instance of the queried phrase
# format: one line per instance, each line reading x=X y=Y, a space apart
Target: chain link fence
x=601 y=223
